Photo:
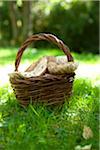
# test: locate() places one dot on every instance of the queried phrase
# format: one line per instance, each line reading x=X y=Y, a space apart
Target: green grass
x=42 y=128
x=7 y=55
x=38 y=127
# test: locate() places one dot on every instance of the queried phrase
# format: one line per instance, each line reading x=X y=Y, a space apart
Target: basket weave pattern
x=48 y=88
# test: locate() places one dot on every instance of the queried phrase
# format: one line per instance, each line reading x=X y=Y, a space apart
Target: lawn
x=39 y=127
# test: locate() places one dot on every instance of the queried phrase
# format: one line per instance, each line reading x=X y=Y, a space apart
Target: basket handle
x=42 y=36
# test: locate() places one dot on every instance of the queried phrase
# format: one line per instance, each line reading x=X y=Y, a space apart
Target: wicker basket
x=49 y=89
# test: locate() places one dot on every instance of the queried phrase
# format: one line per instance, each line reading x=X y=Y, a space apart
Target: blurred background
x=75 y=22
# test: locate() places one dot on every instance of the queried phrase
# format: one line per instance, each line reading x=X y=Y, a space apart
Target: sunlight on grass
x=88 y=63
x=57 y=128
x=7 y=55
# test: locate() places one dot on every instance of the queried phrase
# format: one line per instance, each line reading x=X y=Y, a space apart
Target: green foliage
x=76 y=23
x=5 y=26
